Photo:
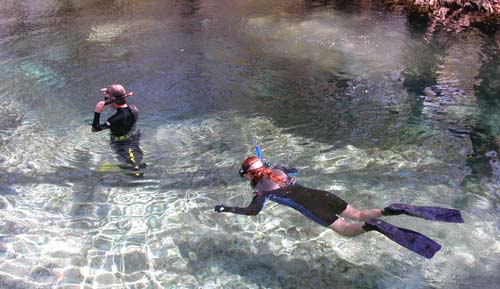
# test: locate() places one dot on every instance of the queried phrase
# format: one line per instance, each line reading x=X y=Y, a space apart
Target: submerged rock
x=71 y=275
x=134 y=260
x=106 y=279
x=107 y=32
x=4 y=203
x=40 y=273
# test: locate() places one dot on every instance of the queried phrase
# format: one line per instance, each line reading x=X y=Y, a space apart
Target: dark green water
x=364 y=100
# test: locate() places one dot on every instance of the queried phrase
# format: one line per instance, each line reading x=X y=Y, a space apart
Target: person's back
x=266 y=184
x=315 y=204
x=123 y=121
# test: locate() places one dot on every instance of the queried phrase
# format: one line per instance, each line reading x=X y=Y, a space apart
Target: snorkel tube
x=258 y=152
x=290 y=171
x=110 y=100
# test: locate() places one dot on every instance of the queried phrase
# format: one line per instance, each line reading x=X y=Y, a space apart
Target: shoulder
x=266 y=185
x=115 y=116
x=133 y=107
x=134 y=110
x=279 y=173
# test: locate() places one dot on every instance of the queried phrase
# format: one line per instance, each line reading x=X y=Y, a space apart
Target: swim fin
x=114 y=168
x=429 y=213
x=108 y=168
x=132 y=167
x=409 y=239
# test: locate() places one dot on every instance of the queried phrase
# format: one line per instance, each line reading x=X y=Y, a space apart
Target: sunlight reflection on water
x=322 y=89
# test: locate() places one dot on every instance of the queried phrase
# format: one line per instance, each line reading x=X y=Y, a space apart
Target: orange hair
x=262 y=172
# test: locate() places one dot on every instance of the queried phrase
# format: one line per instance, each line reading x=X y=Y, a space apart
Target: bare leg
x=347 y=229
x=354 y=229
x=355 y=214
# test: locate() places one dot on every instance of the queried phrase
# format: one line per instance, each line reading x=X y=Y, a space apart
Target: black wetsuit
x=125 y=138
x=318 y=205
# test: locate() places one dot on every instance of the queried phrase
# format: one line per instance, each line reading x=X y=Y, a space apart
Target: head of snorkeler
x=253 y=169
x=115 y=95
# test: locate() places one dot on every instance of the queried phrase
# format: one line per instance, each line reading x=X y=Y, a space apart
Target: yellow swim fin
x=108 y=168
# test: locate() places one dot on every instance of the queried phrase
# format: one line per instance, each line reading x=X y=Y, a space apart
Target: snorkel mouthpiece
x=115 y=93
x=242 y=173
x=110 y=100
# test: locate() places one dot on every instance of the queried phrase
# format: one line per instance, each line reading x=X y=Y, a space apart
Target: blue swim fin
x=429 y=213
x=409 y=239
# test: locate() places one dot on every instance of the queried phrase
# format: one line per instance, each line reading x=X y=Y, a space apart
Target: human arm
x=251 y=210
x=96 y=126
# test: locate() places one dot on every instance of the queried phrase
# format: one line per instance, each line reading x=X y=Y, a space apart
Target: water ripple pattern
x=353 y=97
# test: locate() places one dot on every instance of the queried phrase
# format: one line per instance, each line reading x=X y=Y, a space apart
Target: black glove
x=219 y=208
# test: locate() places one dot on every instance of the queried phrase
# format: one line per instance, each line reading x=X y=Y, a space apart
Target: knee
x=362 y=216
x=357 y=215
x=345 y=229
x=352 y=213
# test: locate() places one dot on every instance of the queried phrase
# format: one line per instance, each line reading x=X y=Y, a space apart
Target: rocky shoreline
x=483 y=6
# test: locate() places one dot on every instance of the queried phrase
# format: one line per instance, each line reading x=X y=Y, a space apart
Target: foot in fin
x=137 y=175
x=409 y=239
x=429 y=213
x=108 y=168
x=132 y=167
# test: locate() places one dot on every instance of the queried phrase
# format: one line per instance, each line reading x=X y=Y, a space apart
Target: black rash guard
x=120 y=123
x=320 y=206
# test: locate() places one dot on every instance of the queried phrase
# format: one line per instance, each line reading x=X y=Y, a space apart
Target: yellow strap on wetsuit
x=132 y=159
x=121 y=137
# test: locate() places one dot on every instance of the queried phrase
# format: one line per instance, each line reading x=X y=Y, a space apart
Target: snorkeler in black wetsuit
x=328 y=210
x=124 y=136
x=319 y=206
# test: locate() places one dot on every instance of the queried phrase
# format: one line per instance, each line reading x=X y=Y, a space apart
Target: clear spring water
x=351 y=94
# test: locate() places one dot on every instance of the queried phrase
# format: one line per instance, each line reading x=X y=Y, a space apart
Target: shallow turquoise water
x=355 y=98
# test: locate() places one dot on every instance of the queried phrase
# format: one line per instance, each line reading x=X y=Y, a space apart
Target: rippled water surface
x=357 y=96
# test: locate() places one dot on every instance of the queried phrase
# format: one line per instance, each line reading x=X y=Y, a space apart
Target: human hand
x=99 y=107
x=219 y=208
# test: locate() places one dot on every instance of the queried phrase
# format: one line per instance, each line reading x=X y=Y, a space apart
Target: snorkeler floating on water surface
x=124 y=137
x=328 y=210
